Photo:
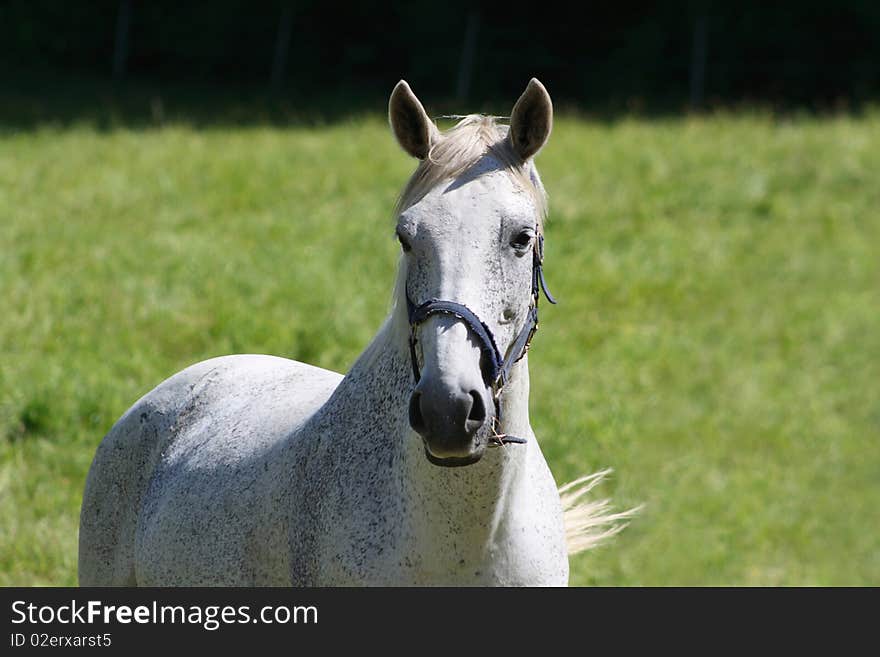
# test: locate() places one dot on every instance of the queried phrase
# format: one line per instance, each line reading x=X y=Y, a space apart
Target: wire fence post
x=120 y=45
x=282 y=46
x=698 y=61
x=466 y=64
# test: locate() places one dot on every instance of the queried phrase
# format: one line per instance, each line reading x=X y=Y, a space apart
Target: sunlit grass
x=717 y=341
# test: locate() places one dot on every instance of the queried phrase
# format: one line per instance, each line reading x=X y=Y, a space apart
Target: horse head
x=470 y=227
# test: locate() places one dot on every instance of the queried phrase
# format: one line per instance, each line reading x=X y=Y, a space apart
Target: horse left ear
x=415 y=132
x=531 y=120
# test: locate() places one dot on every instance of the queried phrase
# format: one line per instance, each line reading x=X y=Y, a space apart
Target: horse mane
x=589 y=523
x=468 y=142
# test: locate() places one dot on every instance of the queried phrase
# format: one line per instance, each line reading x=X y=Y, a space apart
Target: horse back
x=163 y=466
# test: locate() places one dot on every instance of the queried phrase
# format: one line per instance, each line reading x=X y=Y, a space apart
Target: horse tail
x=589 y=523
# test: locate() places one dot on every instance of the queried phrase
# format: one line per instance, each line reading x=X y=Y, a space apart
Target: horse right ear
x=415 y=132
x=531 y=120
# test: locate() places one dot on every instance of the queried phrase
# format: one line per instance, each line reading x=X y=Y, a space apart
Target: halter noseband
x=494 y=367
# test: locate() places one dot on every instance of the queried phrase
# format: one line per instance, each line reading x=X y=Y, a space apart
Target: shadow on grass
x=29 y=102
x=34 y=100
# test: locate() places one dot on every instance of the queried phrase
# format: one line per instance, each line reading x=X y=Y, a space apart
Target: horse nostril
x=452 y=419
x=416 y=421
x=477 y=413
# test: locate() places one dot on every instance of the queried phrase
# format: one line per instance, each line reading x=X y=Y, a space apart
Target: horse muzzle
x=453 y=421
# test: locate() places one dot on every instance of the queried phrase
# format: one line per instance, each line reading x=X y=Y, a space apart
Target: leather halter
x=494 y=367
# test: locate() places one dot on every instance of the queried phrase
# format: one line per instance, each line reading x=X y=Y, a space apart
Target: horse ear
x=531 y=120
x=415 y=132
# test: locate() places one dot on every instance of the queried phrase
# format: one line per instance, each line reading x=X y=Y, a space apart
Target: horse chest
x=383 y=536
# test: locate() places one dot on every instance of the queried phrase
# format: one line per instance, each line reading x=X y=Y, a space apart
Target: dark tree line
x=589 y=53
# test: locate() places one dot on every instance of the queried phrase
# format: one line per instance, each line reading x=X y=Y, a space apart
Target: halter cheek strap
x=494 y=367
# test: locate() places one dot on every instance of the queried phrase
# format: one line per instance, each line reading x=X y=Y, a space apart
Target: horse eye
x=522 y=241
x=404 y=244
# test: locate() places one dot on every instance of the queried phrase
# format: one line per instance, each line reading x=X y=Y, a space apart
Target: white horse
x=256 y=470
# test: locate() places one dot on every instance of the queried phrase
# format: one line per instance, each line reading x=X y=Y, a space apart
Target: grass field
x=717 y=340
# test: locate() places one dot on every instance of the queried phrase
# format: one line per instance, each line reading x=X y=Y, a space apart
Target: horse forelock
x=460 y=148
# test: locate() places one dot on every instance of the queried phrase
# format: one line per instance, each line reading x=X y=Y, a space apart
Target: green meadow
x=717 y=340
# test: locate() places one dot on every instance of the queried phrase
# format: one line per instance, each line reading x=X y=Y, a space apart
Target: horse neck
x=472 y=499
